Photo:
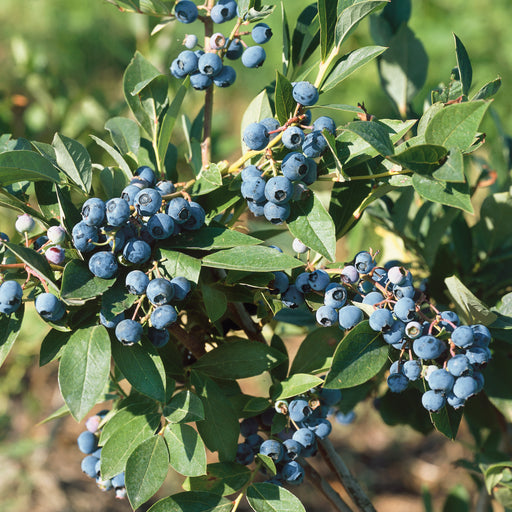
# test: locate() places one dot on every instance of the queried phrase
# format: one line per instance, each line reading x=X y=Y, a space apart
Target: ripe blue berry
x=255 y=136
x=433 y=401
x=458 y=365
x=325 y=123
x=197 y=216
x=128 y=332
x=11 y=294
x=103 y=264
x=49 y=307
x=478 y=356
x=345 y=419
x=87 y=442
x=299 y=410
x=335 y=296
x=463 y=336
x=181 y=286
x=84 y=237
x=253 y=57
x=253 y=189
x=349 y=316
x=428 y=347
x=158 y=337
x=481 y=335
x=381 y=320
x=292 y=450
x=179 y=210
x=314 y=144
x=441 y=380
x=319 y=280
x=93 y=211
x=186 y=11
x=412 y=369
x=349 y=274
x=160 y=226
x=279 y=190
x=249 y=426
x=226 y=77
x=136 y=251
x=223 y=11
x=163 y=316
x=405 y=309
x=244 y=454
x=118 y=211
x=147 y=202
x=273 y=449
x=293 y=473
x=294 y=165
x=305 y=93
x=110 y=324
x=292 y=297
x=397 y=382
x=395 y=333
x=275 y=213
x=257 y=208
x=200 y=82
x=209 y=64
x=235 y=50
x=88 y=466
x=305 y=437
x=160 y=291
x=261 y=33
x=136 y=282
x=165 y=187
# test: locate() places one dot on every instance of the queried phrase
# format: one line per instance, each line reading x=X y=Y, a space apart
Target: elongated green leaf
x=464 y=65
x=84 y=369
x=327 y=13
x=52 y=346
x=121 y=444
x=256 y=258
x=452 y=169
x=306 y=35
x=238 y=360
x=79 y=285
x=215 y=302
x=345 y=199
x=316 y=350
x=294 y=385
x=74 y=160
x=184 y=407
x=196 y=501
x=286 y=41
x=311 y=223
x=264 y=497
x=222 y=478
x=61 y=412
x=169 y=120
x=208 y=238
x=10 y=326
x=488 y=90
x=455 y=126
x=146 y=469
x=35 y=261
x=284 y=102
x=220 y=428
x=450 y=194
x=125 y=134
x=423 y=158
x=340 y=107
x=115 y=300
x=179 y=264
x=375 y=133
x=335 y=151
x=23 y=165
x=350 y=63
x=358 y=358
x=151 y=7
x=142 y=367
x=7 y=200
x=209 y=179
x=447 y=421
x=187 y=454
x=121 y=162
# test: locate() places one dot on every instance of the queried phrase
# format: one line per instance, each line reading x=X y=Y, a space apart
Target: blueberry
x=160 y=226
x=455 y=401
x=136 y=251
x=335 y=296
x=186 y=11
x=190 y=41
x=197 y=217
x=187 y=62
x=395 y=333
x=39 y=242
x=292 y=450
x=314 y=144
x=261 y=33
x=163 y=316
x=345 y=419
x=275 y=213
x=253 y=189
x=272 y=125
x=441 y=380
x=412 y=369
x=397 y=382
x=302 y=282
x=349 y=274
x=405 y=309
x=209 y=64
x=273 y=449
x=463 y=337
x=330 y=397
x=279 y=190
x=433 y=401
x=364 y=262
x=176 y=71
x=319 y=280
x=93 y=211
x=478 y=356
x=55 y=255
x=413 y=330
x=49 y=307
x=293 y=473
x=381 y=320
x=380 y=276
x=179 y=210
x=305 y=437
x=249 y=426
x=136 y=282
x=294 y=165
x=428 y=347
x=299 y=247
x=349 y=316
x=403 y=291
x=305 y=93
x=200 y=82
x=129 y=192
x=226 y=77
x=165 y=187
x=223 y=11
x=160 y=291
x=251 y=171
x=88 y=466
x=25 y=223
x=254 y=441
x=87 y=442
x=110 y=324
x=481 y=335
x=292 y=297
x=11 y=294
x=458 y=365
x=147 y=202
x=235 y=49
x=373 y=298
x=255 y=136
x=279 y=284
x=103 y=264
x=325 y=123
x=158 y=337
x=244 y=454
x=253 y=57
x=84 y=237
x=299 y=410
x=118 y=211
x=128 y=332
x=257 y=208
x=118 y=480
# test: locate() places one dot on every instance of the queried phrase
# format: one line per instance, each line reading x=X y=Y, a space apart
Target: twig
x=351 y=485
x=188 y=341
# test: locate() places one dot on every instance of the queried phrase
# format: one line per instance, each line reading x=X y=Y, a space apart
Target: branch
x=188 y=341
x=351 y=485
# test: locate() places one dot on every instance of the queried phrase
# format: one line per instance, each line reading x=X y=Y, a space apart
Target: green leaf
x=327 y=13
x=52 y=346
x=115 y=300
x=450 y=194
x=447 y=421
x=316 y=350
x=61 y=412
x=470 y=308
x=220 y=428
x=142 y=367
x=238 y=360
x=74 y=160
x=283 y=98
x=258 y=109
x=256 y=258
x=336 y=152
x=456 y=125
x=464 y=65
x=375 y=133
x=360 y=355
x=10 y=326
x=125 y=134
x=423 y=158
x=453 y=168
x=208 y=238
x=146 y=469
x=123 y=441
x=306 y=35
x=68 y=212
x=195 y=501
x=348 y=64
x=187 y=454
x=345 y=199
x=295 y=385
x=169 y=120
x=208 y=180
x=113 y=180
x=215 y=302
x=350 y=17
x=180 y=264
x=184 y=407
x=84 y=369
x=9 y=201
x=340 y=107
x=312 y=225
x=34 y=260
x=23 y=165
x=267 y=463
x=263 y=497
x=488 y=90
x=222 y=478
x=79 y=285
x=281 y=371
x=121 y=162
x=286 y=40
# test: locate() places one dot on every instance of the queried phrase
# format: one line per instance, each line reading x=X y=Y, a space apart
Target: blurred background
x=62 y=63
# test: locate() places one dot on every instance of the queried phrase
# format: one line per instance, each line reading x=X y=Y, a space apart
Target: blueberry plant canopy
x=159 y=298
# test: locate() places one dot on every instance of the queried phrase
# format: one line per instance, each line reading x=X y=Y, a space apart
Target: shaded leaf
x=23 y=165
x=423 y=158
x=208 y=238
x=284 y=102
x=125 y=134
x=222 y=478
x=464 y=65
x=74 y=160
x=295 y=385
x=316 y=350
x=264 y=497
x=187 y=454
x=195 y=501
x=10 y=326
x=376 y=134
x=184 y=407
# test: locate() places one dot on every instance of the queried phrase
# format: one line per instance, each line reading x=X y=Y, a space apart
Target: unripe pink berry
x=56 y=234
x=55 y=255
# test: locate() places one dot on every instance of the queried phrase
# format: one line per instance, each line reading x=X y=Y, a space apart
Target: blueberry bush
x=162 y=282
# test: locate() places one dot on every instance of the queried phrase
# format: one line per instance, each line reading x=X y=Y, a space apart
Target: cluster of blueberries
x=447 y=355
x=123 y=230
x=307 y=422
x=88 y=444
x=207 y=68
x=272 y=197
